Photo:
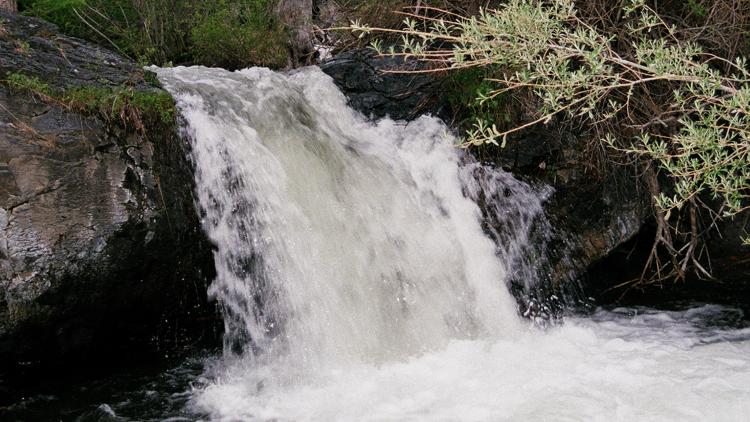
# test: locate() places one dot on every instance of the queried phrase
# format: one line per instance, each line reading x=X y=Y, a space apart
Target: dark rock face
x=592 y=211
x=729 y=265
x=731 y=261
x=360 y=76
x=101 y=251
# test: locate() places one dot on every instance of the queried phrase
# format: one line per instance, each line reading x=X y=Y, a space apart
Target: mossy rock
x=102 y=256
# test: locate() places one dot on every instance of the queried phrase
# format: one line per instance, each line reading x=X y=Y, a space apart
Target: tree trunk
x=297 y=16
x=8 y=6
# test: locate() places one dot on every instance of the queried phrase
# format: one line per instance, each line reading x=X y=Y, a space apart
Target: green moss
x=21 y=82
x=129 y=106
x=125 y=106
x=23 y=47
x=151 y=79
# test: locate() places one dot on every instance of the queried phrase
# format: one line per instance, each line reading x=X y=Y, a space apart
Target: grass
x=225 y=33
x=125 y=106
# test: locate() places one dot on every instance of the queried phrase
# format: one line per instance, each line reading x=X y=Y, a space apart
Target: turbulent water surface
x=616 y=365
x=358 y=283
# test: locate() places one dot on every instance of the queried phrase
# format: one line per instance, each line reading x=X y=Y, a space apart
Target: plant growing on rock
x=646 y=91
x=124 y=106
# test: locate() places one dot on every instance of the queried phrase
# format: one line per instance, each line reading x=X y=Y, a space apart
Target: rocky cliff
x=101 y=252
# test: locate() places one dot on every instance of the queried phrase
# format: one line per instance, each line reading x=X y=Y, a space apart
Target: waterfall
x=362 y=268
x=337 y=238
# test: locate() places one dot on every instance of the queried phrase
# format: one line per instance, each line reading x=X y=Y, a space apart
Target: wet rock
x=101 y=251
x=360 y=74
x=35 y=47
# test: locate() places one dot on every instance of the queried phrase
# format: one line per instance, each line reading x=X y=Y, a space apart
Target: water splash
x=337 y=239
x=623 y=364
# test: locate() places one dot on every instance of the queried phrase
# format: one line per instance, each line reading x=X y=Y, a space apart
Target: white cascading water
x=357 y=283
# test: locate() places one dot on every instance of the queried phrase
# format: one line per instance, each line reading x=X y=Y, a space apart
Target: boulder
x=101 y=250
x=362 y=76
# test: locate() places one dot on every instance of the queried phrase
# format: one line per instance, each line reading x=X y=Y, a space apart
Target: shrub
x=464 y=90
x=60 y=12
x=653 y=93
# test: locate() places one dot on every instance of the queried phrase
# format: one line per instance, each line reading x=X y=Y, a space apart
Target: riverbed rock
x=101 y=251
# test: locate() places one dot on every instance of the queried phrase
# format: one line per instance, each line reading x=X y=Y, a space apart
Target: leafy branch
x=698 y=133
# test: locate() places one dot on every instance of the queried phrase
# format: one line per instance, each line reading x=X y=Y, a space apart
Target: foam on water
x=658 y=367
x=357 y=283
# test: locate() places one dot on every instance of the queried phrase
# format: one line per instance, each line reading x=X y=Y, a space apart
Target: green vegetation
x=60 y=12
x=124 y=106
x=466 y=88
x=643 y=86
x=697 y=8
x=227 y=33
x=22 y=82
x=234 y=37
